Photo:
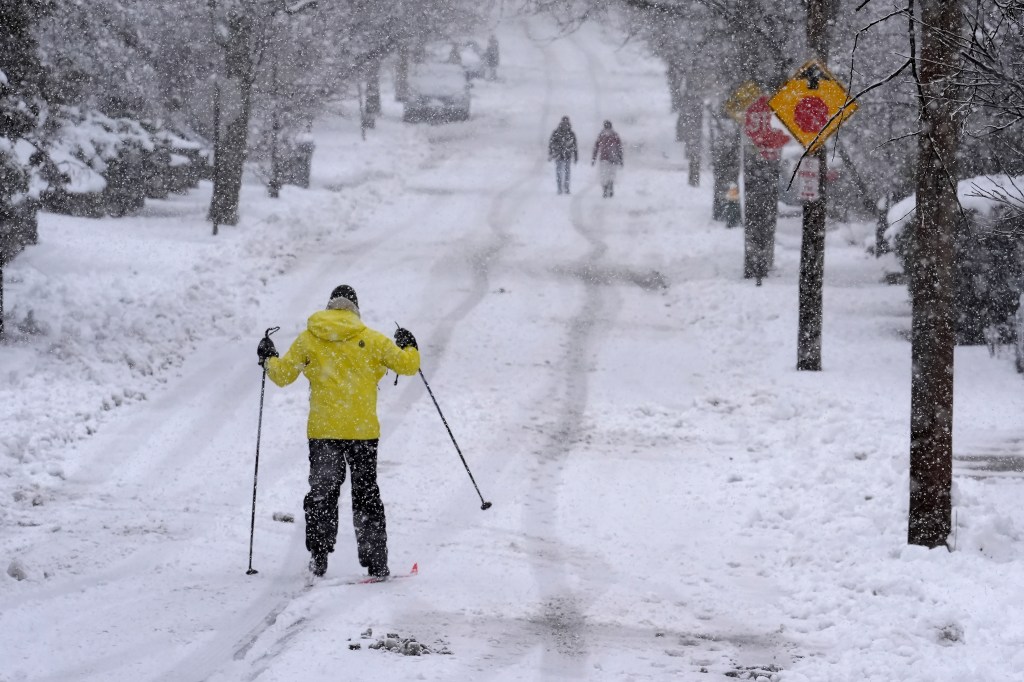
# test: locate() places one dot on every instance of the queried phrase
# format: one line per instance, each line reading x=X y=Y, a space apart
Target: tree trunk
x=402 y=73
x=694 y=137
x=932 y=340
x=675 y=88
x=235 y=108
x=275 y=182
x=373 y=87
x=725 y=163
x=761 y=190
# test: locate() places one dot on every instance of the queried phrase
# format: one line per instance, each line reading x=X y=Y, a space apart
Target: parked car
x=438 y=93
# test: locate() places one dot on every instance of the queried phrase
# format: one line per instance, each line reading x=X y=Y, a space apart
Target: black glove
x=404 y=338
x=265 y=350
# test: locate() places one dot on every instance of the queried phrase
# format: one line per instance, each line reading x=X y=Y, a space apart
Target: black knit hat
x=345 y=291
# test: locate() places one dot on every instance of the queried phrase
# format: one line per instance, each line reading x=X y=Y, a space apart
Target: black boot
x=318 y=564
x=378 y=570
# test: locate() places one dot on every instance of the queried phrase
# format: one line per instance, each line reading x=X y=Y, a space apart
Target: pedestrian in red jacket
x=607 y=150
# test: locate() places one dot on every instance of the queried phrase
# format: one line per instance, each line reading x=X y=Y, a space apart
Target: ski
x=369 y=580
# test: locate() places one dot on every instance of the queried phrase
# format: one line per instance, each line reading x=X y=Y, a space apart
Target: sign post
x=812 y=105
x=761 y=187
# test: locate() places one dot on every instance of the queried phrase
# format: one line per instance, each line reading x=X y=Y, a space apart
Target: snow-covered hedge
x=21 y=180
x=20 y=186
x=107 y=165
x=989 y=254
x=1020 y=335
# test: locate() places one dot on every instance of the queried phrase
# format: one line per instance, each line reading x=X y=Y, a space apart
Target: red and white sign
x=808 y=180
x=758 y=127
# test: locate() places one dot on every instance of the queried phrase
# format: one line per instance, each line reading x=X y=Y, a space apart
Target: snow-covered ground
x=672 y=500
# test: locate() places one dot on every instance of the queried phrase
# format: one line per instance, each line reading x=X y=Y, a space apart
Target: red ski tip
x=415 y=569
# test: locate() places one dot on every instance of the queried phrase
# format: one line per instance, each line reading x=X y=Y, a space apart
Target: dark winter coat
x=491 y=54
x=608 y=147
x=562 y=146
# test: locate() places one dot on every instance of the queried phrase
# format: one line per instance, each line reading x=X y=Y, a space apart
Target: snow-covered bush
x=177 y=163
x=109 y=166
x=1019 y=319
x=19 y=188
x=988 y=260
x=20 y=179
x=98 y=160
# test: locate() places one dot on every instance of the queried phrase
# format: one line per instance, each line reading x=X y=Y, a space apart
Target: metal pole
x=256 y=470
x=812 y=247
x=484 y=505
x=256 y=474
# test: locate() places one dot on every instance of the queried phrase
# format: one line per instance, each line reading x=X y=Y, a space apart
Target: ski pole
x=256 y=472
x=483 y=504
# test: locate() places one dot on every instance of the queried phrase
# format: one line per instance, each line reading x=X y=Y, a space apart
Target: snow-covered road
x=671 y=499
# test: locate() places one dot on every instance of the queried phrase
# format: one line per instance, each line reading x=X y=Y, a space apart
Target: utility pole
x=812 y=246
x=931 y=278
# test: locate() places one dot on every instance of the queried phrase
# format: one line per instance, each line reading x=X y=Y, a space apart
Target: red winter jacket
x=608 y=147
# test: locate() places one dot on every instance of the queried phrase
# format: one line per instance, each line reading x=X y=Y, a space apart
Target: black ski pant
x=327 y=461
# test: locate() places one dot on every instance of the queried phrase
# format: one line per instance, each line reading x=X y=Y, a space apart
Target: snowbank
x=984 y=196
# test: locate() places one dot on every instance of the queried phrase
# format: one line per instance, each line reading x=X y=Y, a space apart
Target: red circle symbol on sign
x=811 y=114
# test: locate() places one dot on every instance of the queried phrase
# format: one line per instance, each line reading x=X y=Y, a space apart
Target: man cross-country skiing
x=343 y=360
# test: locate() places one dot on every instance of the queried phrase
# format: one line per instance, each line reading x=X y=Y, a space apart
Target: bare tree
x=931 y=413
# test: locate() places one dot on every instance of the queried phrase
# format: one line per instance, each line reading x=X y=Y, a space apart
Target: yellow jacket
x=343 y=360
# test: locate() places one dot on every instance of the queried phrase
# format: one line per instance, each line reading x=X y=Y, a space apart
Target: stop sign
x=758 y=127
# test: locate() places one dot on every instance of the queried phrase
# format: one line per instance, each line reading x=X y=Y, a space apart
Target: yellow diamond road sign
x=807 y=104
x=737 y=104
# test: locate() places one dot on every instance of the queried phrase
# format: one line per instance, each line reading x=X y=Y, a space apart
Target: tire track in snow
x=562 y=614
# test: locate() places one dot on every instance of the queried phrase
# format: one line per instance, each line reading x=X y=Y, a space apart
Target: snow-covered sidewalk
x=672 y=500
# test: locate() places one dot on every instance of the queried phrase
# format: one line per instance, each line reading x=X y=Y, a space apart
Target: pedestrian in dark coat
x=343 y=360
x=607 y=151
x=562 y=149
x=491 y=58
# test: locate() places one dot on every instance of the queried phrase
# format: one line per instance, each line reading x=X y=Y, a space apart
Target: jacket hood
x=335 y=325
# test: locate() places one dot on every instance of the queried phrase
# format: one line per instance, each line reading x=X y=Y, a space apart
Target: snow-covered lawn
x=672 y=500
